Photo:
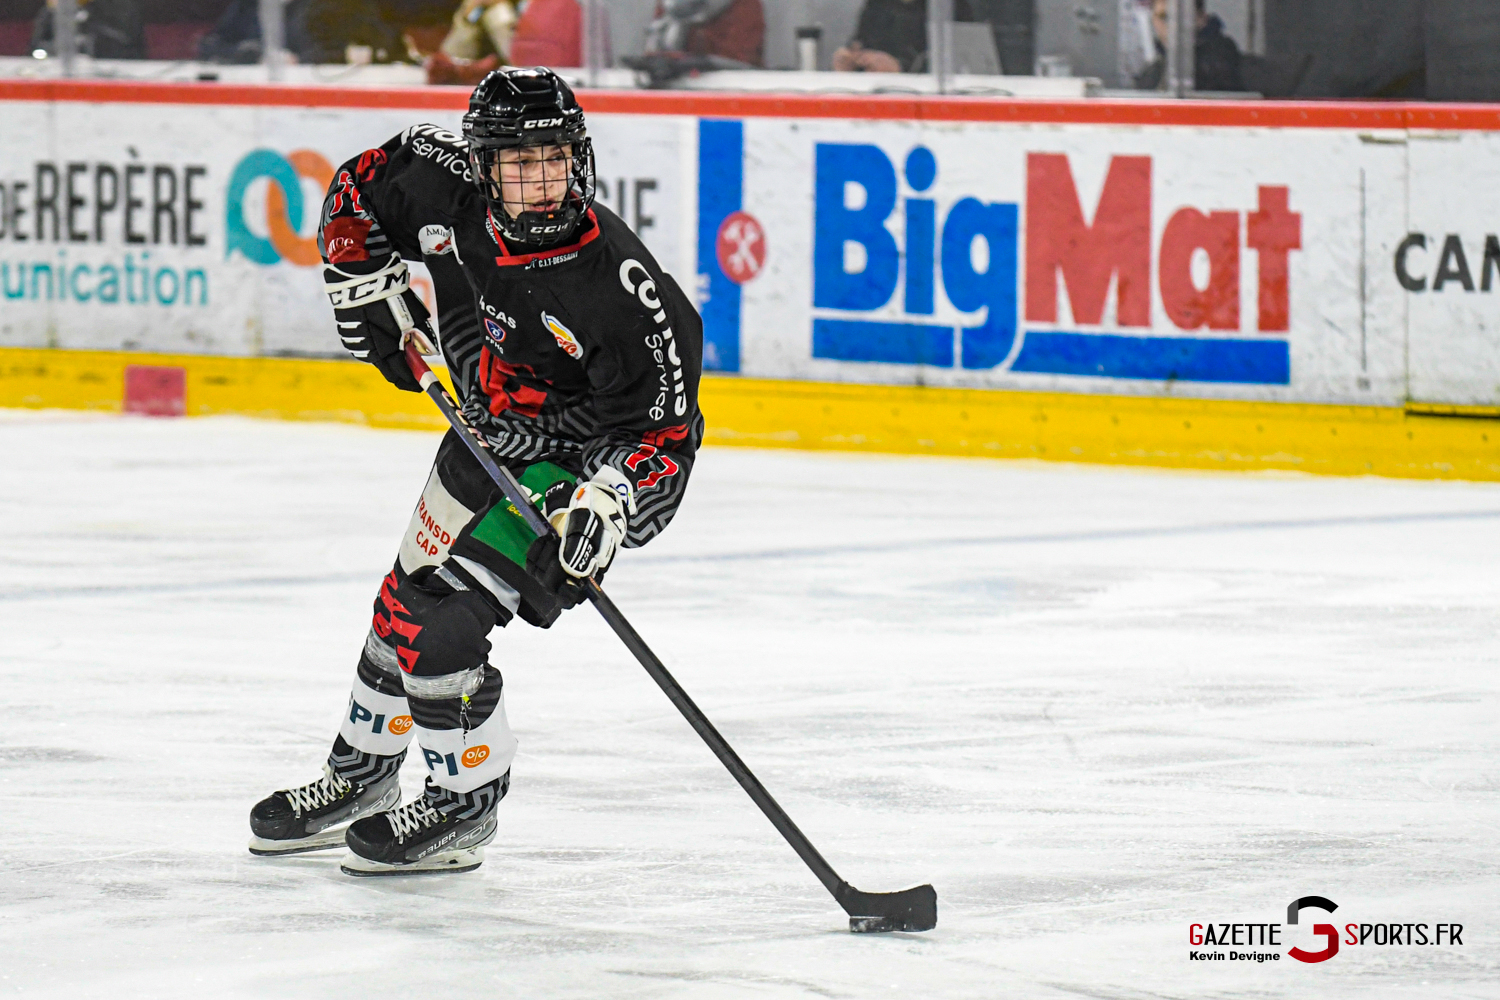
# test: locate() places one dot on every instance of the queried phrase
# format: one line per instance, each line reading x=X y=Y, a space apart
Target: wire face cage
x=537 y=193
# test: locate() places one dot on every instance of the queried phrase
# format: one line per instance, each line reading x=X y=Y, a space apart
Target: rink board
x=1125 y=430
x=1127 y=251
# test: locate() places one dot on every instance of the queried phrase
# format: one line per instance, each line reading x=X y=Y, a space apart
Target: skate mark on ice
x=1130 y=994
x=1105 y=535
x=1064 y=734
x=77 y=861
x=1193 y=725
x=247 y=583
x=47 y=755
x=739 y=979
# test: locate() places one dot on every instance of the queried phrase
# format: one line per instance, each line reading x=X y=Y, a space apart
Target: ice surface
x=1092 y=706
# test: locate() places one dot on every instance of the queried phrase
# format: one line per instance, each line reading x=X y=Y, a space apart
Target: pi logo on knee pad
x=473 y=757
x=358 y=714
x=436 y=760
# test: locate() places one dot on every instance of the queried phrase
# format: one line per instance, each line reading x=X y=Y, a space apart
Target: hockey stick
x=909 y=910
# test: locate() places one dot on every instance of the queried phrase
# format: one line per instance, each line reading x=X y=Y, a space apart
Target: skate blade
x=450 y=863
x=325 y=840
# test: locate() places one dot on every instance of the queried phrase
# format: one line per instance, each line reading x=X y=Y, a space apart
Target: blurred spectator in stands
x=420 y=25
x=547 y=33
x=332 y=31
x=730 y=29
x=107 y=29
x=1137 y=39
x=379 y=31
x=1216 y=59
x=235 y=37
x=1013 y=25
x=891 y=37
x=480 y=28
x=445 y=69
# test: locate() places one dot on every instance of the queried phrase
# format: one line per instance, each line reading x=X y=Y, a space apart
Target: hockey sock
x=468 y=805
x=377 y=726
x=461 y=728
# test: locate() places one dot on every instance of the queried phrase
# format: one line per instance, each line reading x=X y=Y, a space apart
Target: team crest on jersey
x=494 y=333
x=563 y=336
x=435 y=240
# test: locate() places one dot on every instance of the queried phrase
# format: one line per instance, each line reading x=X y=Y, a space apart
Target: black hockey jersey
x=585 y=354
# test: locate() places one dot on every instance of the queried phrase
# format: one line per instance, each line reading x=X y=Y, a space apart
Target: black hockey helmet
x=514 y=108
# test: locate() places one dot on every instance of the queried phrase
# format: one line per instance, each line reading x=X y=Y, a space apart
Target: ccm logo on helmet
x=646 y=293
x=542 y=123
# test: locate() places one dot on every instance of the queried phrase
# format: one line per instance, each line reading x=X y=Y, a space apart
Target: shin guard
x=465 y=738
x=377 y=725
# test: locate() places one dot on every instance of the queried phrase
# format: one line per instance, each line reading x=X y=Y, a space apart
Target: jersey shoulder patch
x=435 y=239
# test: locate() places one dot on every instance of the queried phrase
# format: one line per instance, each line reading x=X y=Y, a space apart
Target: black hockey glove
x=373 y=311
x=590 y=518
x=544 y=566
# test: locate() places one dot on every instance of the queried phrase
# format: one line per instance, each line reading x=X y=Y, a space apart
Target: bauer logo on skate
x=947 y=294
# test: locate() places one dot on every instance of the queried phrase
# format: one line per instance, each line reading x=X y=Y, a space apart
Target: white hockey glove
x=592 y=522
x=373 y=312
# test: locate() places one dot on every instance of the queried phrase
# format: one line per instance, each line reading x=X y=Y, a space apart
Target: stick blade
x=881 y=912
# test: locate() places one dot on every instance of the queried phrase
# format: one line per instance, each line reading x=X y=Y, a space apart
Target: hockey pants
x=424 y=670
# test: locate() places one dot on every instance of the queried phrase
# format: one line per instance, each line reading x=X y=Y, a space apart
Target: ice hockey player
x=578 y=358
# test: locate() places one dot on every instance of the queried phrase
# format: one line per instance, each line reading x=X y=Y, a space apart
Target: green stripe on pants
x=503 y=528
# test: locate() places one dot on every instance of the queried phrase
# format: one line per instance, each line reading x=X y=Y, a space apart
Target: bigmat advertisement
x=1234 y=251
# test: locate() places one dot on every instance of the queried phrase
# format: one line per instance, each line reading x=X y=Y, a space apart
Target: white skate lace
x=412 y=818
x=317 y=794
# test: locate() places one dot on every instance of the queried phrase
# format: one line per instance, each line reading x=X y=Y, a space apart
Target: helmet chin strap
x=521 y=228
x=559 y=232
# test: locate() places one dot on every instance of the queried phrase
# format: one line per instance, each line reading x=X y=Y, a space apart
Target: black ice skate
x=313 y=817
x=439 y=831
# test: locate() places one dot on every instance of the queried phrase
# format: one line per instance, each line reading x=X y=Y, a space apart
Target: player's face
x=534 y=178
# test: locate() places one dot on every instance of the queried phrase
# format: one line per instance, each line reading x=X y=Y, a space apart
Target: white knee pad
x=434 y=525
x=376 y=723
x=461 y=762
